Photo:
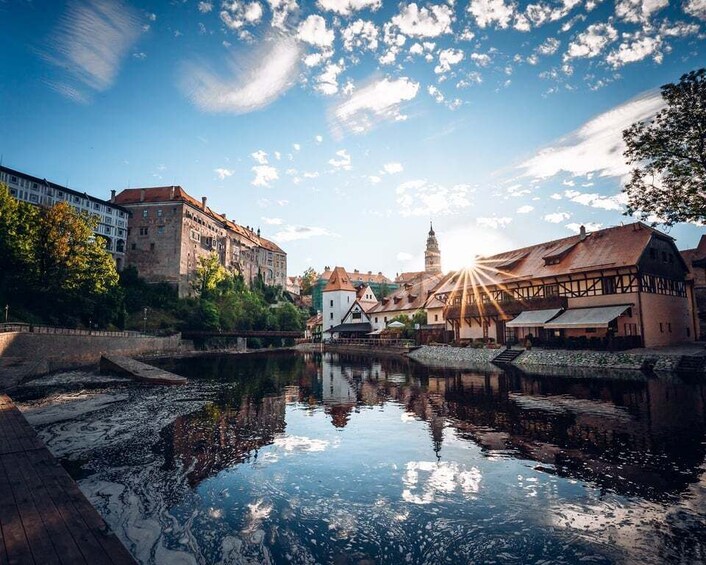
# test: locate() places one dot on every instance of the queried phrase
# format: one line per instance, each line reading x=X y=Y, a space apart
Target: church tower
x=432 y=255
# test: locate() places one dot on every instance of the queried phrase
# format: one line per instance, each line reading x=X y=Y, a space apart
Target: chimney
x=224 y=216
x=582 y=233
x=258 y=232
x=112 y=195
x=142 y=195
x=171 y=196
x=203 y=202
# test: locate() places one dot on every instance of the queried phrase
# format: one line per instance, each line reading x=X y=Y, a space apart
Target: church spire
x=432 y=254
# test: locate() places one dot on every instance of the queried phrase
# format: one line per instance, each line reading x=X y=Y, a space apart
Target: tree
x=209 y=274
x=308 y=280
x=669 y=154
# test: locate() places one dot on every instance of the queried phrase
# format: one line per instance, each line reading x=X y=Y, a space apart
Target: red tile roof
x=410 y=297
x=607 y=248
x=339 y=280
x=156 y=194
x=359 y=277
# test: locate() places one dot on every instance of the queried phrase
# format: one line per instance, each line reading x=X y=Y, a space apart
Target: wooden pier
x=44 y=517
x=139 y=371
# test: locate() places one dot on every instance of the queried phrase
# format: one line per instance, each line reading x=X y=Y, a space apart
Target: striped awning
x=598 y=317
x=533 y=318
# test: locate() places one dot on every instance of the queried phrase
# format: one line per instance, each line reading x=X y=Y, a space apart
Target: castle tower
x=432 y=255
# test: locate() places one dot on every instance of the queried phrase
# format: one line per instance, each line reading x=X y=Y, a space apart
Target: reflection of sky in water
x=290 y=459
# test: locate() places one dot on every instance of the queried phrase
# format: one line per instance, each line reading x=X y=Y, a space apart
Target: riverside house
x=618 y=287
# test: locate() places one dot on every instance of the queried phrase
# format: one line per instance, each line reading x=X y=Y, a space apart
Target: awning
x=362 y=327
x=598 y=317
x=533 y=318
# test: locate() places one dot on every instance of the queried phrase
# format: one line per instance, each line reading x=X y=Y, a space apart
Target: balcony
x=508 y=308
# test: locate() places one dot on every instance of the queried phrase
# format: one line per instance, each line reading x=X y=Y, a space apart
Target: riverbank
x=635 y=360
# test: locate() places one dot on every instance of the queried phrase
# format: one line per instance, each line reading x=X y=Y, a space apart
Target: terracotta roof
x=409 y=276
x=411 y=297
x=607 y=248
x=156 y=194
x=339 y=281
x=359 y=277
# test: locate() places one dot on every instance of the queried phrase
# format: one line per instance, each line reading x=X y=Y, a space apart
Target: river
x=327 y=458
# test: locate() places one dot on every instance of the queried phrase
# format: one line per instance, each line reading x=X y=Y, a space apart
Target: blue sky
x=341 y=127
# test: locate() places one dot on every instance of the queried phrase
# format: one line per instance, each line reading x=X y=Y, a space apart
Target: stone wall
x=50 y=352
x=454 y=354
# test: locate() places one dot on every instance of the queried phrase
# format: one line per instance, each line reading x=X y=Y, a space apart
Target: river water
x=311 y=458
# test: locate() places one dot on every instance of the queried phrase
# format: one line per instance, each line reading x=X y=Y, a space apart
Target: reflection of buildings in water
x=337 y=392
x=292 y=394
x=216 y=438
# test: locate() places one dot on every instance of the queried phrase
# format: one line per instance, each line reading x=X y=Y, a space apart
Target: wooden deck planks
x=44 y=517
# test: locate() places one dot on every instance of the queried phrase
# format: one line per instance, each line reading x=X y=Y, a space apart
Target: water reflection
x=321 y=457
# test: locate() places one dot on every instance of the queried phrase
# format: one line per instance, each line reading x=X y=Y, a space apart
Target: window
x=331 y=315
x=108 y=210
x=356 y=315
x=669 y=327
x=151 y=246
x=661 y=328
x=608 y=285
x=376 y=319
x=145 y=212
x=107 y=229
x=160 y=230
x=436 y=317
x=159 y=212
x=96 y=206
x=144 y=230
x=194 y=235
x=133 y=246
x=551 y=290
x=77 y=199
x=331 y=303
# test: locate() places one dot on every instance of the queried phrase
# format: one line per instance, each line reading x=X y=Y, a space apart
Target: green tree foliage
x=53 y=268
x=308 y=280
x=209 y=275
x=669 y=154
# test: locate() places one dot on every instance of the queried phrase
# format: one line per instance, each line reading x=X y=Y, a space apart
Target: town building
x=112 y=218
x=343 y=313
x=432 y=261
x=169 y=231
x=618 y=287
x=696 y=261
x=379 y=283
x=406 y=301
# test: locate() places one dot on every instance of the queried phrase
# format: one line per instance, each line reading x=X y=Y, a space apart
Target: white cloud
x=591 y=42
x=637 y=50
x=273 y=221
x=638 y=10
x=590 y=226
x=557 y=217
x=264 y=175
x=318 y=139
x=380 y=100
x=696 y=8
x=342 y=161
x=347 y=7
x=280 y=12
x=254 y=83
x=327 y=81
x=555 y=196
x=393 y=168
x=295 y=232
x=487 y=12
x=597 y=145
x=429 y=21
x=223 y=173
x=494 y=222
x=549 y=47
x=360 y=34
x=90 y=42
x=313 y=31
x=448 y=58
x=404 y=256
x=594 y=200
x=260 y=156
x=525 y=209
x=373 y=179
x=237 y=15
x=205 y=7
x=422 y=198
x=480 y=59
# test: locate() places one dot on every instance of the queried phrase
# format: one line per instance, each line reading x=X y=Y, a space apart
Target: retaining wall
x=454 y=354
x=41 y=353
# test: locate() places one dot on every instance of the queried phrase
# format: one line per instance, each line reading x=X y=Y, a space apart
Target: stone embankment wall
x=552 y=358
x=29 y=354
x=454 y=354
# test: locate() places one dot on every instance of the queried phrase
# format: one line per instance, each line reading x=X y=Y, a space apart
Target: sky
x=341 y=128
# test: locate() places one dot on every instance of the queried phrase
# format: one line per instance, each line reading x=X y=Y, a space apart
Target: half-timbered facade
x=624 y=286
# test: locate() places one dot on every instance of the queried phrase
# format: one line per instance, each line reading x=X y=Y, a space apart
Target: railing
x=31 y=328
x=507 y=308
x=382 y=343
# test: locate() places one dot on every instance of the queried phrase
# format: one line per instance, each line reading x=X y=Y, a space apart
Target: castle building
x=169 y=231
x=343 y=312
x=112 y=218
